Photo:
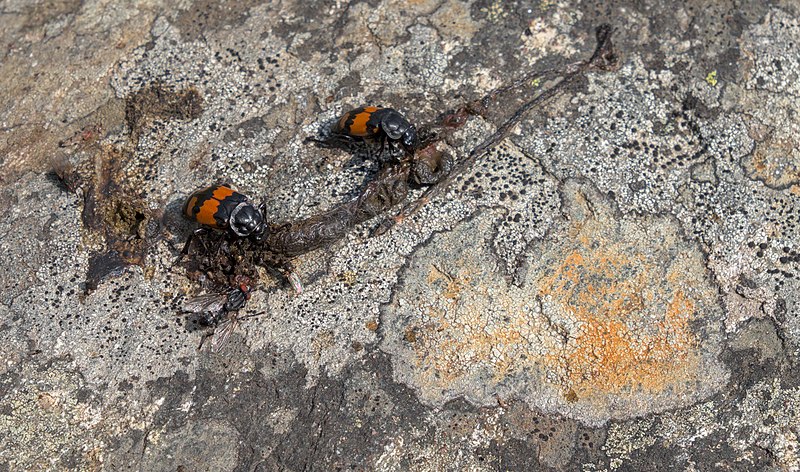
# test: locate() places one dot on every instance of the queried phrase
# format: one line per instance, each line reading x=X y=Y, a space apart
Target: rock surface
x=616 y=286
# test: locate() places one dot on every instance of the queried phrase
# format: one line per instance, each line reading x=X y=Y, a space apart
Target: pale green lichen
x=494 y=12
x=711 y=78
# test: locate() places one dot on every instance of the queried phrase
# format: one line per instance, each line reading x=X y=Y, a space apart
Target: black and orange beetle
x=385 y=125
x=222 y=208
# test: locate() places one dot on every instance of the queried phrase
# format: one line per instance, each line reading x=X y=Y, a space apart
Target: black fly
x=220 y=311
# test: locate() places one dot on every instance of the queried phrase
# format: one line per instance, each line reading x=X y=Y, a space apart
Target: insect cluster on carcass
x=235 y=235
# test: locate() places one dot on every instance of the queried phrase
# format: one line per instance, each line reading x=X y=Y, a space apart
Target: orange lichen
x=459 y=334
x=775 y=160
x=605 y=322
x=615 y=347
x=631 y=328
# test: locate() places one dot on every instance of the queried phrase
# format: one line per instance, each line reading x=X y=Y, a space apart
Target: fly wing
x=211 y=303
x=221 y=335
x=294 y=280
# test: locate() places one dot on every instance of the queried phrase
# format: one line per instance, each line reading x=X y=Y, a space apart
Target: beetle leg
x=382 y=141
x=333 y=141
x=219 y=248
x=188 y=243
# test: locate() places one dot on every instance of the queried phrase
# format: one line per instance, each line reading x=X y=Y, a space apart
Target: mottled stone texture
x=614 y=287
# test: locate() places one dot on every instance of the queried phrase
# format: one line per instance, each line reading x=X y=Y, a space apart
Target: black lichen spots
x=552 y=439
x=205 y=17
x=775 y=65
x=159 y=110
x=258 y=66
x=685 y=146
x=789 y=256
x=589 y=445
x=668 y=148
x=115 y=324
x=157 y=101
x=150 y=330
x=258 y=69
x=635 y=156
x=509 y=179
x=779 y=252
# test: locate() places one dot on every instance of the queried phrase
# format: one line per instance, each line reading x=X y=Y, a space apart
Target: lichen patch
x=605 y=324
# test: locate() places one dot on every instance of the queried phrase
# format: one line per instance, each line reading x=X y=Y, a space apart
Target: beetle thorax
x=245 y=220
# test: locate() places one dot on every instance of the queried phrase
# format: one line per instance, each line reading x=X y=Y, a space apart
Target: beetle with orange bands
x=222 y=208
x=377 y=123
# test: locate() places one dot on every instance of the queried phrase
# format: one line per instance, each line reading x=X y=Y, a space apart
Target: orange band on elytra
x=359 y=126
